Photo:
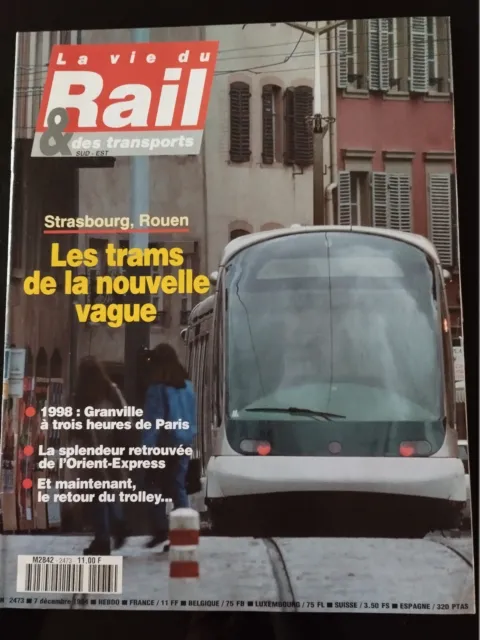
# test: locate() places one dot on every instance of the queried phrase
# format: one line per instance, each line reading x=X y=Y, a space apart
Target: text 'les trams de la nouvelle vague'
x=115 y=314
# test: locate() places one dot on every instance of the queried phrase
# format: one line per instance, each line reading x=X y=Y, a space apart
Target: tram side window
x=448 y=364
x=204 y=382
x=194 y=369
x=190 y=358
x=217 y=369
x=200 y=370
x=195 y=362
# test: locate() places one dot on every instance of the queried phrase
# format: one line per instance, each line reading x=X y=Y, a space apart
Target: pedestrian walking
x=170 y=397
x=95 y=389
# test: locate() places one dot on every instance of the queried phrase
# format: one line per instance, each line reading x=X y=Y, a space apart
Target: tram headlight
x=255 y=447
x=415 y=448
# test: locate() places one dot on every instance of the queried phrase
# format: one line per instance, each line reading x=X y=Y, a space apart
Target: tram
x=324 y=372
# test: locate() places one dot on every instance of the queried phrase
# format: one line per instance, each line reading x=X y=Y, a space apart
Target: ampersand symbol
x=56 y=122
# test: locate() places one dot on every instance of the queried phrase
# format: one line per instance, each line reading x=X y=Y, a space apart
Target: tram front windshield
x=334 y=346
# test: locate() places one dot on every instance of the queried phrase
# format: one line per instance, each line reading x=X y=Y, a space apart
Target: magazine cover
x=234 y=340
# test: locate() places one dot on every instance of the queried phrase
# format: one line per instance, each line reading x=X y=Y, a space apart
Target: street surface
x=378 y=572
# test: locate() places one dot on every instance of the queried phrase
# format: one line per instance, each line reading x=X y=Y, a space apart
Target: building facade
x=39 y=324
x=258 y=139
x=396 y=145
x=176 y=189
x=395 y=122
x=254 y=171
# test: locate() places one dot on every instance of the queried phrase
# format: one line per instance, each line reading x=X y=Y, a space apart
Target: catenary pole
x=319 y=128
x=318 y=162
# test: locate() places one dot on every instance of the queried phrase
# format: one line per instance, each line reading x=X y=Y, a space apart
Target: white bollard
x=184 y=537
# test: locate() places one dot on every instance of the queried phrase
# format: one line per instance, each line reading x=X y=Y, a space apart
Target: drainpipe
x=332 y=129
x=329 y=197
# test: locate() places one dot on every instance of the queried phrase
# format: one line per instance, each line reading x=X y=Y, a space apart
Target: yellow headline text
x=127 y=284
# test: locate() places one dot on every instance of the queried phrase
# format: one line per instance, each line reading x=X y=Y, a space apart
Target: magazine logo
x=125 y=99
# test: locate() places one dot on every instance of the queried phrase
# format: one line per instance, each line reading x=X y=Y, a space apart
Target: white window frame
x=393 y=51
x=352 y=28
x=350 y=195
x=432 y=57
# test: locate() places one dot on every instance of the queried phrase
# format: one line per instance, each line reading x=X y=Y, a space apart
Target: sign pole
x=137 y=334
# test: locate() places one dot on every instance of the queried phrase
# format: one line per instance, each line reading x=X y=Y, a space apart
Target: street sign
x=16 y=388
x=459 y=361
x=16 y=364
x=6 y=365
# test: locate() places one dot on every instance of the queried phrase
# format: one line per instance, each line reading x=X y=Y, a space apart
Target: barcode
x=69 y=574
x=103 y=579
x=57 y=578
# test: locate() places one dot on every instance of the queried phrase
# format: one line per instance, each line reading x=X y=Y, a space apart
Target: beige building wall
x=250 y=194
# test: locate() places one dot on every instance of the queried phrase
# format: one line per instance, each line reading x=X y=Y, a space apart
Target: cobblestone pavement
x=375 y=574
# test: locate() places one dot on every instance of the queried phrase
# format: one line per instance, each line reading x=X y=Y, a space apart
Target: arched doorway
x=56 y=364
x=238 y=233
x=41 y=364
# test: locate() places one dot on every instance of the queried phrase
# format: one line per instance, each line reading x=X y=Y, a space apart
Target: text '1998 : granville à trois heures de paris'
x=146 y=220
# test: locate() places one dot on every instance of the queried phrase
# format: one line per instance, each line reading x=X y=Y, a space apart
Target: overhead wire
x=36 y=90
x=256 y=70
x=42 y=68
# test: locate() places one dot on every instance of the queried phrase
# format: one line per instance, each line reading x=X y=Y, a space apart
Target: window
x=65 y=37
x=430 y=55
x=392 y=201
x=442 y=217
x=298 y=132
x=352 y=48
x=386 y=66
x=41 y=364
x=352 y=54
x=240 y=122
x=394 y=79
x=371 y=301
x=386 y=203
x=100 y=245
x=101 y=269
x=124 y=244
x=271 y=124
x=355 y=207
x=391 y=198
x=186 y=299
x=238 y=233
x=448 y=363
x=219 y=355
x=56 y=364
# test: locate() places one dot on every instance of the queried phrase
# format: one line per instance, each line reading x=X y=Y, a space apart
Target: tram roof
x=237 y=245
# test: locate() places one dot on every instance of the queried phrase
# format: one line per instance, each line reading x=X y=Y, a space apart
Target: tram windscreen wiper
x=298 y=411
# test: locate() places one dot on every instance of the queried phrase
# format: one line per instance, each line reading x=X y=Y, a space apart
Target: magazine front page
x=234 y=353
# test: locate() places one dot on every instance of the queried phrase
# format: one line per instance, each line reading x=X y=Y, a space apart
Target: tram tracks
x=442 y=539
x=286 y=593
x=285 y=590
